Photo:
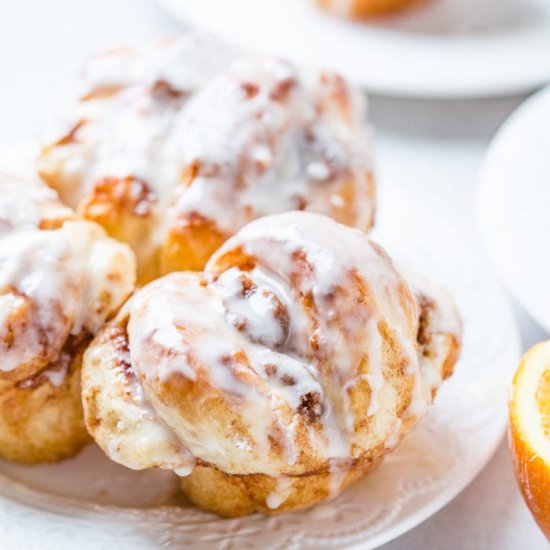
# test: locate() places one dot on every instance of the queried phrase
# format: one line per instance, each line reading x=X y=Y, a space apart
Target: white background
x=431 y=147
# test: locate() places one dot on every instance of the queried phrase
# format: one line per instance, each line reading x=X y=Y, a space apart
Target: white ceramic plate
x=446 y=48
x=93 y=504
x=514 y=204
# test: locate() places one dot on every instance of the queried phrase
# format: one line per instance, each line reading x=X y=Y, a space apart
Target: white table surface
x=433 y=147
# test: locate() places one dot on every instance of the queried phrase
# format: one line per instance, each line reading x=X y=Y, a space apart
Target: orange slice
x=530 y=431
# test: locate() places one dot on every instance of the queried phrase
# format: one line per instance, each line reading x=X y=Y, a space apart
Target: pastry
x=60 y=279
x=365 y=8
x=280 y=374
x=173 y=149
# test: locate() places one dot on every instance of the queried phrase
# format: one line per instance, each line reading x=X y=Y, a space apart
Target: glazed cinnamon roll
x=60 y=279
x=277 y=376
x=174 y=148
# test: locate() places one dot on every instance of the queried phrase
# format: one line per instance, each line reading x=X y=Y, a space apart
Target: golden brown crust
x=123 y=206
x=239 y=495
x=41 y=421
x=190 y=243
x=83 y=278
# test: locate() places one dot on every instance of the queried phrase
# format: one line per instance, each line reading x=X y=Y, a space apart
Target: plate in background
x=103 y=505
x=514 y=204
x=445 y=48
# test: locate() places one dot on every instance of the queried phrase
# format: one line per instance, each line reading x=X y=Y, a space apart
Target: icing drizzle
x=212 y=134
x=58 y=277
x=289 y=322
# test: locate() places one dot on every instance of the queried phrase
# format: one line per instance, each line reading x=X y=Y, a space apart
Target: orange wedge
x=530 y=431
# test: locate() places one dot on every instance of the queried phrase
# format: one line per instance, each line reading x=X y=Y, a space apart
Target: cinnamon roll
x=60 y=279
x=277 y=376
x=174 y=148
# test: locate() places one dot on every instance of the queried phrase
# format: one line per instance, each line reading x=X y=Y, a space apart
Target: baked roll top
x=176 y=147
x=59 y=277
x=299 y=345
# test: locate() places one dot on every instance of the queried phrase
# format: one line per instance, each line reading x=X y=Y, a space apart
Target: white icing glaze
x=266 y=153
x=139 y=439
x=254 y=311
x=290 y=317
x=186 y=470
x=53 y=282
x=444 y=320
x=199 y=325
x=263 y=137
x=334 y=252
x=338 y=468
x=210 y=340
x=283 y=489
